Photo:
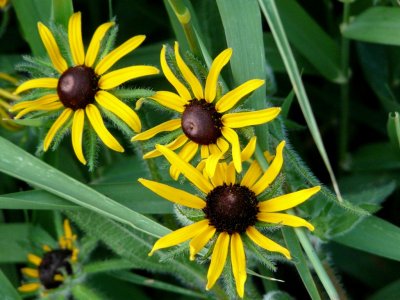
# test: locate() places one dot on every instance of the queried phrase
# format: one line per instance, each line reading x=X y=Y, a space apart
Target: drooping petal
x=186 y=154
x=76 y=134
x=211 y=163
x=238 y=260
x=233 y=139
x=212 y=79
x=34 y=259
x=174 y=195
x=288 y=201
x=230 y=174
x=204 y=151
x=179 y=86
x=284 y=219
x=29 y=287
x=218 y=259
x=231 y=98
x=75 y=39
x=175 y=144
x=272 y=171
x=244 y=119
x=199 y=241
x=119 y=108
x=252 y=174
x=170 y=100
x=115 y=78
x=42 y=100
x=170 y=125
x=95 y=43
x=98 y=125
x=190 y=78
x=248 y=151
x=111 y=58
x=33 y=273
x=219 y=176
x=46 y=83
x=45 y=107
x=179 y=236
x=190 y=172
x=55 y=127
x=222 y=145
x=266 y=243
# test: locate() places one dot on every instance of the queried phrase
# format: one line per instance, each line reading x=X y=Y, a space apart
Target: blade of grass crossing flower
x=7 y=289
x=82 y=292
x=271 y=14
x=61 y=10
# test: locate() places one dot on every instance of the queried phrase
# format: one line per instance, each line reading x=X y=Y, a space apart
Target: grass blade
x=61 y=10
x=8 y=292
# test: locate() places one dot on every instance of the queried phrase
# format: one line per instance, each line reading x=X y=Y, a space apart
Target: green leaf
x=376 y=25
x=82 y=292
x=108 y=265
x=370 y=157
x=393 y=128
x=14 y=241
x=61 y=10
x=8 y=292
x=389 y=292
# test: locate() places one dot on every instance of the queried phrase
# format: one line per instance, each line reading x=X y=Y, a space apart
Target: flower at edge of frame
x=6 y=99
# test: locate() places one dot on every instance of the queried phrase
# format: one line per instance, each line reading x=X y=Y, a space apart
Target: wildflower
x=6 y=97
x=204 y=122
x=231 y=208
x=3 y=4
x=81 y=89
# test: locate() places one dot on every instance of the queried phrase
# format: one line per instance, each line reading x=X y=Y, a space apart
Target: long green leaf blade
x=8 y=292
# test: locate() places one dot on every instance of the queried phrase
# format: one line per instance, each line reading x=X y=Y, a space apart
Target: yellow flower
x=49 y=269
x=80 y=89
x=232 y=206
x=3 y=3
x=203 y=114
x=5 y=98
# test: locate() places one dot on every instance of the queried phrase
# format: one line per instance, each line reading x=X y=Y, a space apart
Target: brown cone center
x=54 y=263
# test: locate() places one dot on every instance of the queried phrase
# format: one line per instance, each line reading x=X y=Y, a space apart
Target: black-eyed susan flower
x=3 y=4
x=204 y=120
x=232 y=208
x=80 y=89
x=48 y=271
x=7 y=84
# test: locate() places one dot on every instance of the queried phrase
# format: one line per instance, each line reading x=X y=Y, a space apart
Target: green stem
x=110 y=9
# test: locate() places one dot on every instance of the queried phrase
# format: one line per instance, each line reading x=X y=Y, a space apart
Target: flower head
x=79 y=90
x=50 y=269
x=204 y=122
x=7 y=84
x=3 y=4
x=232 y=208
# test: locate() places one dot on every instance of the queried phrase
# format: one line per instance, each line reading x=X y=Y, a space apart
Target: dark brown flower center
x=231 y=208
x=53 y=263
x=201 y=122
x=77 y=87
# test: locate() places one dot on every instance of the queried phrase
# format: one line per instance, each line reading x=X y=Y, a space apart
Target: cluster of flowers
x=233 y=202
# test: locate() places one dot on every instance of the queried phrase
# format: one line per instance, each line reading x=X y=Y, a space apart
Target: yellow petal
x=284 y=219
x=45 y=107
x=230 y=99
x=272 y=171
x=76 y=134
x=188 y=75
x=186 y=154
x=50 y=83
x=170 y=100
x=190 y=172
x=34 y=259
x=95 y=43
x=222 y=145
x=238 y=260
x=58 y=277
x=179 y=86
x=288 y=201
x=233 y=139
x=111 y=58
x=29 y=287
x=252 y=174
x=200 y=240
x=42 y=100
x=244 y=119
x=204 y=151
x=265 y=242
x=212 y=79
x=75 y=39
x=119 y=108
x=219 y=176
x=8 y=78
x=248 y=151
x=218 y=259
x=174 y=195
x=230 y=174
x=51 y=46
x=170 y=125
x=46 y=248
x=179 y=236
x=115 y=78
x=211 y=163
x=34 y=273
x=98 y=125
x=175 y=144
x=55 y=127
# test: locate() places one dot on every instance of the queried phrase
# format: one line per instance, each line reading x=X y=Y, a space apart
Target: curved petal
x=204 y=151
x=212 y=79
x=55 y=127
x=98 y=125
x=51 y=46
x=29 y=287
x=266 y=243
x=252 y=174
x=119 y=108
x=115 y=78
x=219 y=176
x=42 y=100
x=179 y=86
x=186 y=154
x=248 y=151
x=33 y=273
x=218 y=259
x=244 y=119
x=95 y=43
x=238 y=260
x=75 y=39
x=200 y=240
x=190 y=78
x=111 y=58
x=231 y=98
x=45 y=107
x=284 y=219
x=190 y=172
x=211 y=163
x=288 y=201
x=170 y=125
x=49 y=83
x=233 y=139
x=179 y=236
x=222 y=145
x=175 y=144
x=34 y=259
x=230 y=174
x=76 y=134
x=272 y=171
x=170 y=100
x=174 y=195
